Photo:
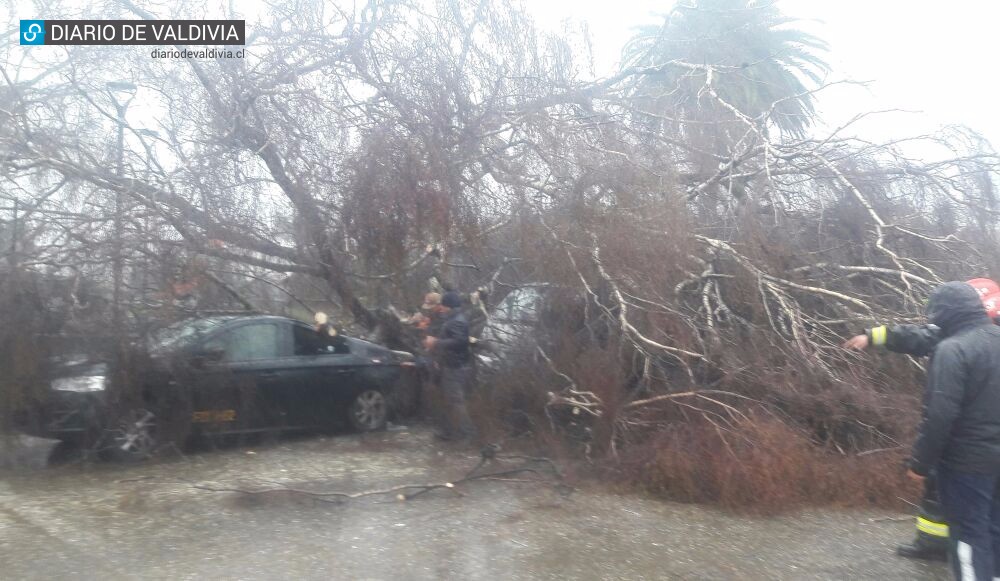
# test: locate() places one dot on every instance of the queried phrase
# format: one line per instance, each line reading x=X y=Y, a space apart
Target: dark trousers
x=455 y=382
x=932 y=526
x=428 y=378
x=972 y=506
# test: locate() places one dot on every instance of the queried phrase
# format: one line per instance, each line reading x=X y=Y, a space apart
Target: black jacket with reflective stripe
x=916 y=340
x=961 y=423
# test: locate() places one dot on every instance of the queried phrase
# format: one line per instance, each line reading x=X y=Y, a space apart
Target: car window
x=183 y=333
x=519 y=306
x=309 y=342
x=247 y=343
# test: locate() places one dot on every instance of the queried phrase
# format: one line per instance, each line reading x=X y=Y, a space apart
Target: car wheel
x=368 y=411
x=133 y=438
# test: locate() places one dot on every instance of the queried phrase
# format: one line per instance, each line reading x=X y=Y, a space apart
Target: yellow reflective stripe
x=934 y=529
x=878 y=336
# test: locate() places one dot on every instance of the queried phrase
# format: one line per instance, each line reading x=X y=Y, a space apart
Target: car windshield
x=183 y=333
x=520 y=306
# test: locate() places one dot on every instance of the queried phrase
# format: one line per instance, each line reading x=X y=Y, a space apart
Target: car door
x=241 y=390
x=324 y=372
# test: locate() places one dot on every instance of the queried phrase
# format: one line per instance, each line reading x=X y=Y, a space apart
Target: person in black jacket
x=931 y=540
x=959 y=436
x=452 y=350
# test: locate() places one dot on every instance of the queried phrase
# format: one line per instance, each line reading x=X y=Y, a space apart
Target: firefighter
x=931 y=541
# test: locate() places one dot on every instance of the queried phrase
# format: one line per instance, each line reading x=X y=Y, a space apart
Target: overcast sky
x=936 y=58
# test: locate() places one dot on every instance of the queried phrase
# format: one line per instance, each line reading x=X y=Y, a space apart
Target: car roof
x=237 y=318
x=289 y=319
x=231 y=319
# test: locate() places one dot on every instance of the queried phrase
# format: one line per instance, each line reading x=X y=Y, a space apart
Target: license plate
x=212 y=416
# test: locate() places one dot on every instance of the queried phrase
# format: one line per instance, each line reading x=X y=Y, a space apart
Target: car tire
x=132 y=438
x=369 y=411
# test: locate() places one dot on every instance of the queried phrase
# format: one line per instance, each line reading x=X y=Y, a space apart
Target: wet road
x=147 y=521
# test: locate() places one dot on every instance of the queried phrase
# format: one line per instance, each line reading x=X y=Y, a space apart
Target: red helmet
x=992 y=304
x=989 y=293
x=985 y=286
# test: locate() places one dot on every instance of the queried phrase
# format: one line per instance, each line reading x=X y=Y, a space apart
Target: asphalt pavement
x=152 y=521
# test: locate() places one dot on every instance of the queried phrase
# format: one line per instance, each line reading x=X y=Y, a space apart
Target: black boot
x=924 y=551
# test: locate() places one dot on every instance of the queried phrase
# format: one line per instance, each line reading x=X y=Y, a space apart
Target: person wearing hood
x=959 y=434
x=931 y=541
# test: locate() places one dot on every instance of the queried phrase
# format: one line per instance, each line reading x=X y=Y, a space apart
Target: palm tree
x=760 y=66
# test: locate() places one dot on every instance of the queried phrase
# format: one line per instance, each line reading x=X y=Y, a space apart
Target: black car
x=225 y=375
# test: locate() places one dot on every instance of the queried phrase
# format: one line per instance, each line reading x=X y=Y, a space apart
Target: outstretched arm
x=917 y=340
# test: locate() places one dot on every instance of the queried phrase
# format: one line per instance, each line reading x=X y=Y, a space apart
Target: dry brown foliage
x=702 y=258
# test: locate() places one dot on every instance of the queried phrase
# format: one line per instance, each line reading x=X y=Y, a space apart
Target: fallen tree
x=710 y=243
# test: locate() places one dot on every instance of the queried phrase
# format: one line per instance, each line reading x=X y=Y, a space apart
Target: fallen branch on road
x=544 y=469
x=891 y=519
